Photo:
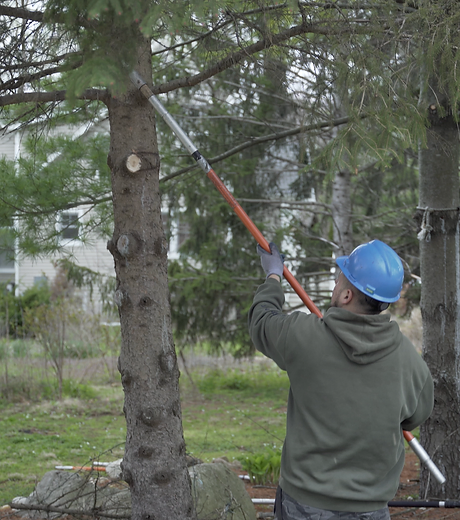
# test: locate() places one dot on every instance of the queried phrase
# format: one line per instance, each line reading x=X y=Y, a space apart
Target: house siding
x=94 y=256
x=7 y=146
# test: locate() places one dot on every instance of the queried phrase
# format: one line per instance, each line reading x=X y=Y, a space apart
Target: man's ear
x=346 y=296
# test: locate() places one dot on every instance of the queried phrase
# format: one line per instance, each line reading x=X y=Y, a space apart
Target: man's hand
x=271 y=263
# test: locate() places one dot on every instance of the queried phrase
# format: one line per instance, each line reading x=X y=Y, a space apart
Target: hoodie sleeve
x=267 y=324
x=424 y=405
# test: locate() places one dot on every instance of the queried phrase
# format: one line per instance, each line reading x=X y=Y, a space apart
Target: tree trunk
x=341 y=213
x=154 y=464
x=439 y=256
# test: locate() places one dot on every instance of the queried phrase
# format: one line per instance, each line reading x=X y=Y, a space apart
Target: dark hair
x=373 y=306
x=369 y=305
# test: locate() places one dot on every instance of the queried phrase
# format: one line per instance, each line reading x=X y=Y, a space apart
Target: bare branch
x=56 y=59
x=287 y=202
x=55 y=96
x=29 y=78
x=221 y=25
x=18 y=12
x=20 y=212
x=236 y=57
x=259 y=140
x=193 y=40
x=38 y=16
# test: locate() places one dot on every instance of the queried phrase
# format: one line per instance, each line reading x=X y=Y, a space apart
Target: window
x=40 y=281
x=6 y=250
x=69 y=225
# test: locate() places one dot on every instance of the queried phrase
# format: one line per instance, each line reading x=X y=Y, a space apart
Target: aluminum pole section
x=424 y=457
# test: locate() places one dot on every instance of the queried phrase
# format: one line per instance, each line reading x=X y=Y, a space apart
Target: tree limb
x=221 y=25
x=91 y=94
x=259 y=140
x=18 y=12
x=56 y=59
x=37 y=16
x=236 y=57
x=287 y=202
x=29 y=78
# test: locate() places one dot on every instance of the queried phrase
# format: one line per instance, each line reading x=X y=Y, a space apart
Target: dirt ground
x=409 y=486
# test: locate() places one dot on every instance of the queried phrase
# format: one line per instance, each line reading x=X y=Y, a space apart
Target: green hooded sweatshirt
x=355 y=383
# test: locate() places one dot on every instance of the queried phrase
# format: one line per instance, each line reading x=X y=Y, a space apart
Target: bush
x=12 y=308
x=219 y=380
x=23 y=387
x=70 y=388
x=263 y=468
x=80 y=350
x=21 y=348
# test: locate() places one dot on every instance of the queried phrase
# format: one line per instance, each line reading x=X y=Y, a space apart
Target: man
x=355 y=383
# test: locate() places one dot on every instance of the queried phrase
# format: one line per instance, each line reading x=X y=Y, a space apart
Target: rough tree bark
x=341 y=213
x=438 y=215
x=154 y=463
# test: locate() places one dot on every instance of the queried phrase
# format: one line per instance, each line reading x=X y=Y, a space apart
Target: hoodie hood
x=363 y=338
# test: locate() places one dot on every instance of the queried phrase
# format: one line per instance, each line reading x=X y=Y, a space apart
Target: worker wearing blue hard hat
x=356 y=382
x=375 y=269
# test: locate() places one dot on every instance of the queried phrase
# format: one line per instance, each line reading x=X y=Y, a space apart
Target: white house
x=21 y=272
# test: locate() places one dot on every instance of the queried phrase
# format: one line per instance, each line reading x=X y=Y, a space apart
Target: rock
x=192 y=461
x=59 y=489
x=219 y=494
x=235 y=465
x=114 y=501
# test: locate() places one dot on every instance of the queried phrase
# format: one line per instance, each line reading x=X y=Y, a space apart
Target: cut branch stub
x=133 y=163
x=120 y=297
x=153 y=417
x=168 y=362
x=127 y=245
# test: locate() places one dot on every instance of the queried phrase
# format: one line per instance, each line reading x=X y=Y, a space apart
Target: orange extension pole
x=252 y=228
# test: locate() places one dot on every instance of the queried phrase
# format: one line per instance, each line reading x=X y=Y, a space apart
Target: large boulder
x=72 y=491
x=58 y=489
x=219 y=494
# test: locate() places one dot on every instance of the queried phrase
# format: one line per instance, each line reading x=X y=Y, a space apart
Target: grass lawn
x=232 y=414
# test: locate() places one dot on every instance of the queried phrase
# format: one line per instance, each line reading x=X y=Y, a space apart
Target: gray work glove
x=271 y=263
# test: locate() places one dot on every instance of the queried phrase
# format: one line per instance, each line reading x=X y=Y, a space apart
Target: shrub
x=220 y=380
x=264 y=467
x=70 y=388
x=12 y=308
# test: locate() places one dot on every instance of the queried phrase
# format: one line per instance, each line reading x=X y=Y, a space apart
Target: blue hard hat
x=375 y=269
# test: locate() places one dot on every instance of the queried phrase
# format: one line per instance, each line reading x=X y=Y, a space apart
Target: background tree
x=438 y=215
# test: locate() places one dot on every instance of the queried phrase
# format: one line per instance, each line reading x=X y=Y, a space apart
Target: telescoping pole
x=203 y=163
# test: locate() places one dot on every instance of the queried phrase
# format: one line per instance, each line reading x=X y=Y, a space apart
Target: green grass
x=235 y=414
x=35 y=438
x=231 y=414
